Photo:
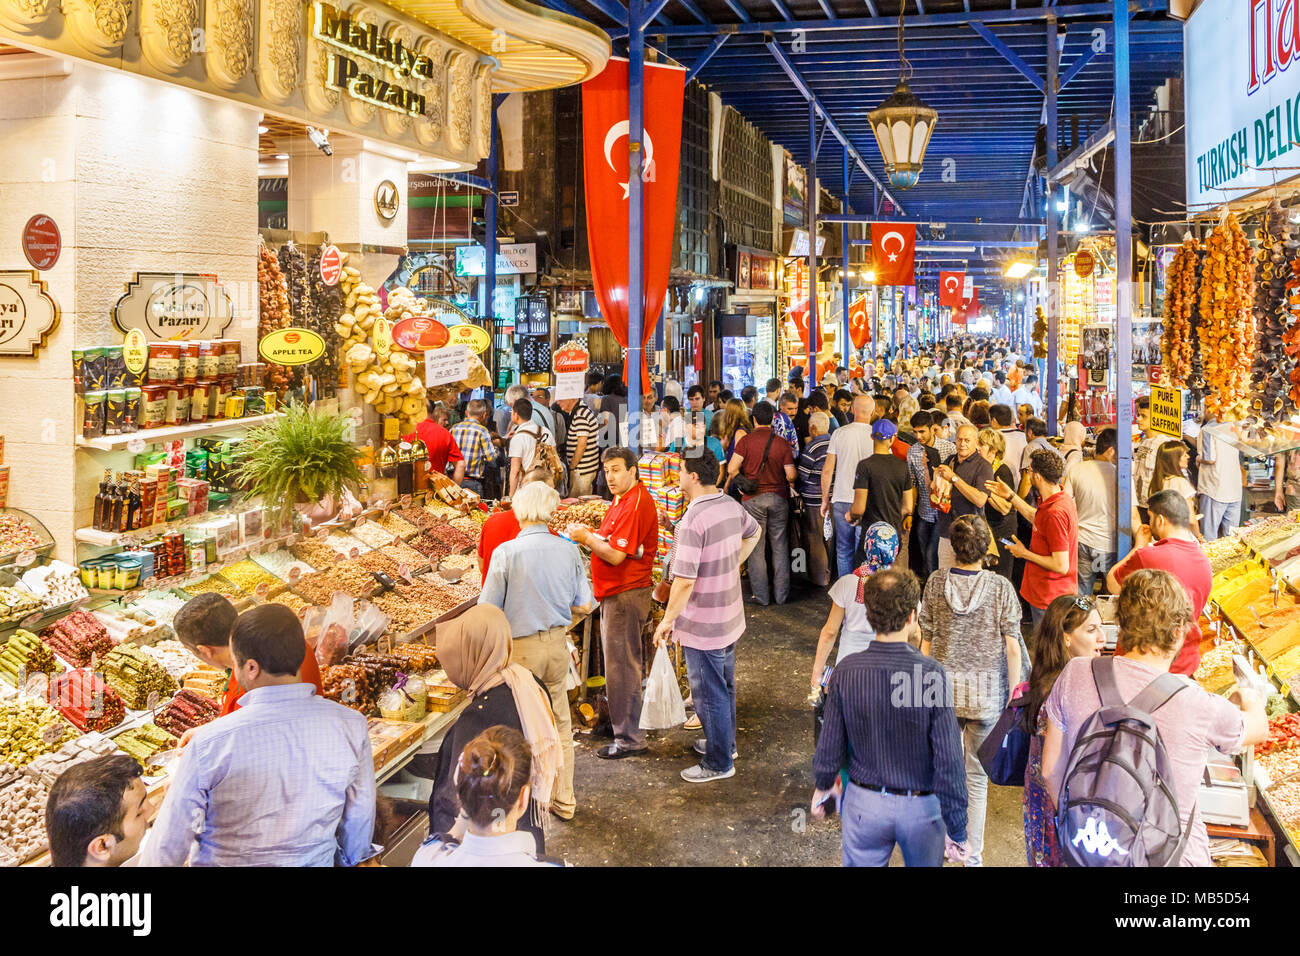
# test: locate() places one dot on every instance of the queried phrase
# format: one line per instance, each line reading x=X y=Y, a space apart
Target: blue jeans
x=846 y=538
x=927 y=535
x=873 y=822
x=1093 y=564
x=1218 y=518
x=1036 y=616
x=713 y=688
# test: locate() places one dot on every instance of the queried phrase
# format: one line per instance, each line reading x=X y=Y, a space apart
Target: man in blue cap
x=882 y=486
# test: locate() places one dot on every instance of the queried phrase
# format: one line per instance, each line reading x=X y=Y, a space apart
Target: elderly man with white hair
x=538 y=580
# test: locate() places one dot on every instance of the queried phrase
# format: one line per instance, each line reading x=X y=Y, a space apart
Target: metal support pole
x=810 y=373
x=1124 y=271
x=875 y=322
x=490 y=228
x=635 y=217
x=846 y=343
x=1050 y=387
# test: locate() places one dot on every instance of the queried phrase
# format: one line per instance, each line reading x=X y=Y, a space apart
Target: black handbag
x=1005 y=751
x=743 y=482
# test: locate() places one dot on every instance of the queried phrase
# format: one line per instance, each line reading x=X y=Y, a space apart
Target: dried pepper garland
x=1270 y=379
x=1291 y=338
x=273 y=313
x=327 y=306
x=1180 y=311
x=1227 y=331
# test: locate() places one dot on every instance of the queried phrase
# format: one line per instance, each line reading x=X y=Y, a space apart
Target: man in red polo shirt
x=503 y=526
x=205 y=624
x=1052 y=558
x=442 y=447
x=1177 y=551
x=622 y=557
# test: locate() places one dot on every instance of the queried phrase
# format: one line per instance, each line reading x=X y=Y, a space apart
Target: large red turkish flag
x=951 y=286
x=893 y=253
x=605 y=131
x=969 y=309
x=859 y=322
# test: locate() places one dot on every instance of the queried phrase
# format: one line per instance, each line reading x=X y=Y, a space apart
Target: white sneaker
x=702 y=748
x=702 y=774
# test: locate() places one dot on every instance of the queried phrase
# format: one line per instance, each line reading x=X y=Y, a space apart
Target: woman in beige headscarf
x=1073 y=436
x=474 y=650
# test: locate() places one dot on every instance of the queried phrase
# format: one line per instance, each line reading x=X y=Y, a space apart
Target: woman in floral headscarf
x=848 y=617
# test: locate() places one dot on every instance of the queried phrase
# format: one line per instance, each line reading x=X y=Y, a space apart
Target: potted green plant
x=303 y=459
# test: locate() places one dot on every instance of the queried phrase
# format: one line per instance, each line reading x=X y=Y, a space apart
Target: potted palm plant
x=302 y=460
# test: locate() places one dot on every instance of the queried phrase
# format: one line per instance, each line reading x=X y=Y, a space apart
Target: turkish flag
x=952 y=287
x=859 y=322
x=968 y=309
x=605 y=166
x=893 y=253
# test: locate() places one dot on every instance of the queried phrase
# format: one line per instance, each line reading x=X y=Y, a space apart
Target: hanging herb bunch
x=1227 y=330
x=1291 y=337
x=1180 y=313
x=1270 y=378
x=326 y=307
x=273 y=312
x=1040 y=333
x=293 y=263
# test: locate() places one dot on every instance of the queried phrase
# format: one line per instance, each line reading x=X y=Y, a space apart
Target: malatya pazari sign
x=364 y=40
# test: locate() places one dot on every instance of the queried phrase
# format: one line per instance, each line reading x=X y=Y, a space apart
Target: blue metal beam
x=1010 y=55
x=655 y=8
x=635 y=220
x=612 y=9
x=1052 y=385
x=871 y=8
x=1080 y=11
x=810 y=201
x=1083 y=59
x=830 y=14
x=714 y=46
x=468 y=179
x=695 y=11
x=782 y=9
x=1123 y=269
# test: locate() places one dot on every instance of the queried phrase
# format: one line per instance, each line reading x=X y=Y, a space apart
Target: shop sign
x=420 y=333
x=762 y=272
x=381 y=334
x=387 y=200
x=27 y=313
x=471 y=336
x=173 y=305
x=799 y=244
x=508 y=197
x=1084 y=263
x=697 y=344
x=135 y=351
x=291 y=346
x=366 y=42
x=1167 y=411
x=447 y=365
x=570 y=363
x=42 y=242
x=331 y=265
x=513 y=259
x=1242 y=98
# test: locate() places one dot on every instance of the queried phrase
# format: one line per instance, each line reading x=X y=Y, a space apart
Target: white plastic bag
x=662 y=706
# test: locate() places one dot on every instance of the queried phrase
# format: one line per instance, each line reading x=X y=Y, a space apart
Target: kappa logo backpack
x=1117 y=805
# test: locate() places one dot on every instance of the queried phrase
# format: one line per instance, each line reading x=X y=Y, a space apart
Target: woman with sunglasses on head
x=1070 y=628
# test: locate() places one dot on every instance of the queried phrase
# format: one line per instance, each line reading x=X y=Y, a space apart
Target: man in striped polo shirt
x=705 y=613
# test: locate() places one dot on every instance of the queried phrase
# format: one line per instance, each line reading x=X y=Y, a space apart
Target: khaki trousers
x=546 y=655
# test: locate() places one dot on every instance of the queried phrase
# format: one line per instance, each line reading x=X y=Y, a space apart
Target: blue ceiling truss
x=981 y=63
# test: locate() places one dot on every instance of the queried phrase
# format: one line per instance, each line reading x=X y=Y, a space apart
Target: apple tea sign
x=171 y=305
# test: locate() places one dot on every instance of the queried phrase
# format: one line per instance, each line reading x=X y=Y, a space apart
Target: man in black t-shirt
x=883 y=486
x=969 y=473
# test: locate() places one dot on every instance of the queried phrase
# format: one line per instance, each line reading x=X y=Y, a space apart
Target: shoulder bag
x=745 y=484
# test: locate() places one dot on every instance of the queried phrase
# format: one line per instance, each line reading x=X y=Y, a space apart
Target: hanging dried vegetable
x=1180 y=313
x=1270 y=379
x=327 y=306
x=293 y=263
x=1291 y=338
x=273 y=312
x=1040 y=333
x=1227 y=329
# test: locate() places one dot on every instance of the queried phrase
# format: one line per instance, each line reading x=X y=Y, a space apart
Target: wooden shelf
x=175 y=432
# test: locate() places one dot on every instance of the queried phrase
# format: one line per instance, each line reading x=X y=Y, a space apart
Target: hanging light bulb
x=902 y=125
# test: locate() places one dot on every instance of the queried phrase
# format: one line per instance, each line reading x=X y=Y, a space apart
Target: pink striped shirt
x=708 y=551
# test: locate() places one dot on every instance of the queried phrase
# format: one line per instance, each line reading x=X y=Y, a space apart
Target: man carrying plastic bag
x=705 y=612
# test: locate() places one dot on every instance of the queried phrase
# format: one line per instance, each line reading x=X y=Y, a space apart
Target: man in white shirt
x=1144 y=460
x=672 y=426
x=1094 y=488
x=1027 y=394
x=1218 y=484
x=1001 y=395
x=1002 y=416
x=850 y=444
x=523 y=440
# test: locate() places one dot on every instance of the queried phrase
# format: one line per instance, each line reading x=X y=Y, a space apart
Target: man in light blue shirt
x=286 y=780
x=539 y=581
x=1001 y=395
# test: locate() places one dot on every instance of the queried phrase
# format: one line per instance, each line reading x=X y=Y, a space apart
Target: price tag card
x=406 y=501
x=25 y=559
x=354 y=553
x=290 y=541
x=262 y=591
x=397 y=539
x=29 y=622
x=294 y=574
x=339 y=557
x=135 y=446
x=404 y=570
x=361 y=519
x=384 y=645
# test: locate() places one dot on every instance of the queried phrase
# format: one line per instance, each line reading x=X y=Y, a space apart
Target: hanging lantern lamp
x=902 y=125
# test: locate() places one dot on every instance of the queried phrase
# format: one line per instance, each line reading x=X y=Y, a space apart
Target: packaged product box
x=192 y=488
x=251 y=525
x=4 y=486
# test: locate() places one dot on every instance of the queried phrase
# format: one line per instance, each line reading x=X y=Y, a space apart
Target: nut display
x=246 y=575
x=454 y=538
x=348 y=577
x=315 y=552
x=1227 y=331
x=395 y=524
x=24 y=655
x=213 y=584
x=144 y=741
x=141 y=680
x=78 y=638
x=432 y=548
x=89 y=703
x=187 y=710
x=404 y=614
x=419 y=517
x=17 y=603
x=458 y=562
x=281 y=562
x=377 y=561
x=404 y=554
x=291 y=601
x=22 y=819
x=371 y=534
x=28 y=728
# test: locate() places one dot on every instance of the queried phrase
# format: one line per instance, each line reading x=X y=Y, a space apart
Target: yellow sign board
x=472 y=335
x=135 y=350
x=291 y=346
x=1167 y=411
x=381 y=335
